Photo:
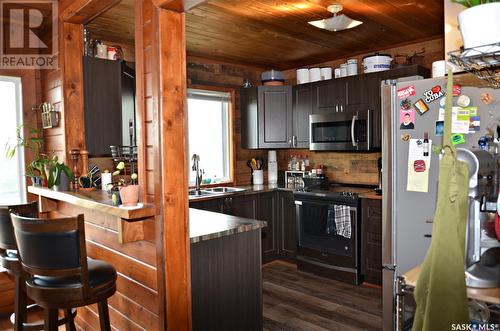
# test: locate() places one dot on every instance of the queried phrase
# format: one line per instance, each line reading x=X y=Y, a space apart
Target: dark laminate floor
x=294 y=300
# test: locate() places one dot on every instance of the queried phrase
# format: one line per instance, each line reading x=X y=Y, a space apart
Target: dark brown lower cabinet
x=226 y=283
x=288 y=225
x=268 y=206
x=372 y=240
x=215 y=205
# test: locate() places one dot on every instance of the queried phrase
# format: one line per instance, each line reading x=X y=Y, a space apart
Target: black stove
x=321 y=249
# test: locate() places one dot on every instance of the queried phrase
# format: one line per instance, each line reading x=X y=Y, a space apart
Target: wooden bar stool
x=9 y=260
x=53 y=253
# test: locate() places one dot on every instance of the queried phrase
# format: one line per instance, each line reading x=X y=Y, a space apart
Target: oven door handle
x=353 y=124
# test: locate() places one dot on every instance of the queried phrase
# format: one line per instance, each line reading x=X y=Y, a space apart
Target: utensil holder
x=258 y=177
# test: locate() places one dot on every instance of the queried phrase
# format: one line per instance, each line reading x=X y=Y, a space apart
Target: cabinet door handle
x=341 y=107
x=337 y=107
x=290 y=142
x=294 y=141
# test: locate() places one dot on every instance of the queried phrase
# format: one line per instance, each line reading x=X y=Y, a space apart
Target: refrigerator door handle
x=353 y=124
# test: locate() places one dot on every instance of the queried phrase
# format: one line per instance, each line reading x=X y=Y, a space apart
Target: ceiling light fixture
x=337 y=22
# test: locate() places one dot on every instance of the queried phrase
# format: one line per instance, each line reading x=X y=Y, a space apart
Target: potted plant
x=59 y=175
x=480 y=22
x=36 y=168
x=127 y=186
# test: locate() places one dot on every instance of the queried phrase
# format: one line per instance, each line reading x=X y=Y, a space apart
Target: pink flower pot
x=129 y=195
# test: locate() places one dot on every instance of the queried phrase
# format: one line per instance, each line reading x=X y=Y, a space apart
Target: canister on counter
x=326 y=73
x=343 y=70
x=314 y=74
x=302 y=76
x=352 y=67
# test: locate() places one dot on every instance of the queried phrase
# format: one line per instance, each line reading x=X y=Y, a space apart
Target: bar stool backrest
x=7 y=238
x=52 y=247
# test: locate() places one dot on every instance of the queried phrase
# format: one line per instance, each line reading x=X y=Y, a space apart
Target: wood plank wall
x=136 y=305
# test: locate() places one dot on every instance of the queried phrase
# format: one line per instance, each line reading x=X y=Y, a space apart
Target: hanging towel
x=331 y=229
x=343 y=220
x=440 y=292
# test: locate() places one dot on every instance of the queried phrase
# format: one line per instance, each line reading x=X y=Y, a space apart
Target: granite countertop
x=206 y=225
x=364 y=193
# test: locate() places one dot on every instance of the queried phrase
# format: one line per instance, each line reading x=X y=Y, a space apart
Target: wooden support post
x=174 y=174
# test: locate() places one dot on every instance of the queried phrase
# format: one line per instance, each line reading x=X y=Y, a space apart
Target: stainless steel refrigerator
x=407 y=215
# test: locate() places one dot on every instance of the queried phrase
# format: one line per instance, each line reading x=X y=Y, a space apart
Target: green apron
x=440 y=292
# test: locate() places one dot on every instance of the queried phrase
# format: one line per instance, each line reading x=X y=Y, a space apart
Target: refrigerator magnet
x=456 y=90
x=406 y=119
x=405 y=137
x=439 y=128
x=406 y=92
x=457 y=139
x=433 y=94
x=475 y=124
x=486 y=98
x=463 y=101
x=418 y=167
x=405 y=104
x=442 y=102
x=421 y=107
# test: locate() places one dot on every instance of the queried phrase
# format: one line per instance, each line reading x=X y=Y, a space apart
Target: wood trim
x=232 y=125
x=139 y=98
x=173 y=129
x=72 y=85
x=179 y=6
x=83 y=11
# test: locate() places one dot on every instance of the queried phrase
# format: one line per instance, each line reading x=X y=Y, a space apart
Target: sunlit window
x=12 y=182
x=209 y=135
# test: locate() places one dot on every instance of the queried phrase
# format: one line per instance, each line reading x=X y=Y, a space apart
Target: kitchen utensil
x=314 y=74
x=258 y=177
x=302 y=76
x=377 y=62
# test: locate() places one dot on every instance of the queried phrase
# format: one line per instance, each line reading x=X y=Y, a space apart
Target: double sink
x=214 y=191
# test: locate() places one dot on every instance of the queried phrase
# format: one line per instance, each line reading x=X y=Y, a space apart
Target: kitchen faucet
x=199 y=173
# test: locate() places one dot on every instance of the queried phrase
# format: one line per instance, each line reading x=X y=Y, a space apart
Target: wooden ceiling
x=275 y=34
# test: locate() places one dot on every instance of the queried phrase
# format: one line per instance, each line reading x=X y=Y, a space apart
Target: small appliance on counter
x=295 y=179
x=482 y=260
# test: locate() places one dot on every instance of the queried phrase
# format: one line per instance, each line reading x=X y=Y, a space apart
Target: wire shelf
x=483 y=62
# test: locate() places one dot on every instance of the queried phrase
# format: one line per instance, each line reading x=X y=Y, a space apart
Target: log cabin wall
x=206 y=72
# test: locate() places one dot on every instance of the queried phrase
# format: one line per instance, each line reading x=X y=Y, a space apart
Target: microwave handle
x=353 y=123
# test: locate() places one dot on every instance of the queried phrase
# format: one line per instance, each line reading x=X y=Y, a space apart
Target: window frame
x=231 y=134
x=21 y=157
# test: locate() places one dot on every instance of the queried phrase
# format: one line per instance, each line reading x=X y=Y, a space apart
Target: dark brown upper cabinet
x=329 y=96
x=266 y=117
x=302 y=108
x=278 y=116
x=109 y=103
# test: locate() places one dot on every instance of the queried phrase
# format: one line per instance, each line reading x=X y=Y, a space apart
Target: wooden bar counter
x=225 y=263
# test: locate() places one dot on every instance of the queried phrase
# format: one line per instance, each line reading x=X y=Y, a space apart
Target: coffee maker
x=482 y=258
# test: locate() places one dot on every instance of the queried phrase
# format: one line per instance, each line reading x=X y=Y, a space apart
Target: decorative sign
x=458 y=139
x=421 y=107
x=433 y=94
x=406 y=104
x=406 y=92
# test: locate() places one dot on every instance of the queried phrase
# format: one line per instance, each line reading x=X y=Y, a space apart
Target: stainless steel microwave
x=343 y=131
